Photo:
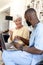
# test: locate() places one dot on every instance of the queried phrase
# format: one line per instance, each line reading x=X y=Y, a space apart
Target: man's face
x=27 y=20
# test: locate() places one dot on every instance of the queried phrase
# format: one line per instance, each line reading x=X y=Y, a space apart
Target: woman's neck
x=19 y=27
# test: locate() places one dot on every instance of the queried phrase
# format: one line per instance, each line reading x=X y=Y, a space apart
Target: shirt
x=36 y=40
x=22 y=32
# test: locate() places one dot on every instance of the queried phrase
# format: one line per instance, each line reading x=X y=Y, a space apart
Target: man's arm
x=32 y=50
x=28 y=49
x=17 y=45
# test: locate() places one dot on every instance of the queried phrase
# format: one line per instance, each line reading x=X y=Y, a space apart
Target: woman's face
x=18 y=22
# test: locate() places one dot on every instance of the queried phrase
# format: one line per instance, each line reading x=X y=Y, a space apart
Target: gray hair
x=16 y=17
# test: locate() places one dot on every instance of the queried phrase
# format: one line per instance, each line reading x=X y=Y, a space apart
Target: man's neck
x=36 y=22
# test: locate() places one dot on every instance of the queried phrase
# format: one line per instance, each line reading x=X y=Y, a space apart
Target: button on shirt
x=36 y=41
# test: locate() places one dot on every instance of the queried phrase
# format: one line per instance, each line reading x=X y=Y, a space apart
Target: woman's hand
x=22 y=39
x=10 y=33
x=17 y=38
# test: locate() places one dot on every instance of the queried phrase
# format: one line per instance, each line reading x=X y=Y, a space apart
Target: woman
x=20 y=33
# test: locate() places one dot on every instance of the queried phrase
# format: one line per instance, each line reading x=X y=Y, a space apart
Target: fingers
x=17 y=37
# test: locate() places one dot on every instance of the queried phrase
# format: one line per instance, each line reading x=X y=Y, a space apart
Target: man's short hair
x=30 y=10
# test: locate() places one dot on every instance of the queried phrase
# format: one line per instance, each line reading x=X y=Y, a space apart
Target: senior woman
x=20 y=33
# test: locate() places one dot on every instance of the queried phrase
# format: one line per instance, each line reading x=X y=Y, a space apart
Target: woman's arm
x=10 y=33
x=24 y=40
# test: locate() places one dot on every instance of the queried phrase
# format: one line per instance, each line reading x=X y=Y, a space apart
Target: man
x=28 y=55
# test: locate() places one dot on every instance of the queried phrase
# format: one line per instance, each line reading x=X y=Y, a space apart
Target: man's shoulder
x=40 y=26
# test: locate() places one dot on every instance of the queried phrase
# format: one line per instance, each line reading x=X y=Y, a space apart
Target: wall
x=3 y=23
x=17 y=7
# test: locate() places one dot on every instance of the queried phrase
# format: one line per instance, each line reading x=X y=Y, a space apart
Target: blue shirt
x=36 y=41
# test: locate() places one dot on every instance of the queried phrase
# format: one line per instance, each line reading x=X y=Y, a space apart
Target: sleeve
x=26 y=33
x=39 y=39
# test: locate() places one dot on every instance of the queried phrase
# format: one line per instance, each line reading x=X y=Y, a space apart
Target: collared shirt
x=36 y=41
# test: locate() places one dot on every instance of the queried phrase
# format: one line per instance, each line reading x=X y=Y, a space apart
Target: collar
x=36 y=24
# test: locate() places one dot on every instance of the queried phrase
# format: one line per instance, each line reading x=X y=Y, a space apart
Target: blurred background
x=12 y=7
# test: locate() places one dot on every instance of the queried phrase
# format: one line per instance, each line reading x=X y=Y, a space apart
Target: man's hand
x=25 y=48
x=18 y=46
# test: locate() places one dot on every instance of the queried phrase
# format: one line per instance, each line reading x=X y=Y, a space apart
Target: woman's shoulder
x=25 y=27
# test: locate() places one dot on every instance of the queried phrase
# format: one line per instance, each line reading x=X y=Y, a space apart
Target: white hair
x=16 y=17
